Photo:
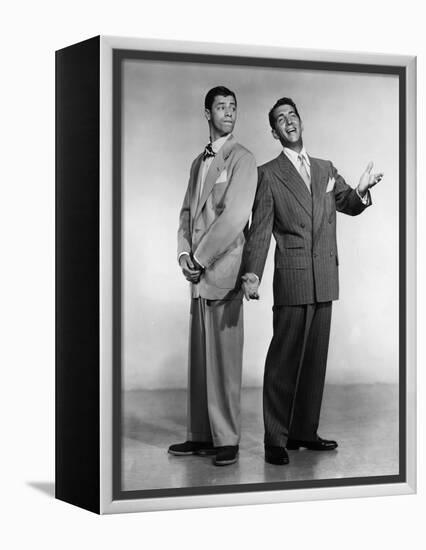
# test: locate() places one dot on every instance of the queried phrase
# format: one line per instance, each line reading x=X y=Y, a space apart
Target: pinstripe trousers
x=295 y=372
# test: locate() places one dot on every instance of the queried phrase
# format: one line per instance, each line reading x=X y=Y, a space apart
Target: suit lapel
x=291 y=178
x=196 y=182
x=215 y=170
x=317 y=196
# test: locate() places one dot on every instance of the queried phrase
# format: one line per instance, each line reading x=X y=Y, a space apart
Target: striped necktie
x=304 y=172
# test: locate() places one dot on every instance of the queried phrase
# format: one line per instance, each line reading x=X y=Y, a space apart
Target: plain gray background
x=349 y=118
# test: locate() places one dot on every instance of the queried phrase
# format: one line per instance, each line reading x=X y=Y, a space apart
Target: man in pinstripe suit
x=297 y=199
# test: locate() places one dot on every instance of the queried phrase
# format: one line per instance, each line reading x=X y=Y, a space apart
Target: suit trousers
x=215 y=367
x=295 y=372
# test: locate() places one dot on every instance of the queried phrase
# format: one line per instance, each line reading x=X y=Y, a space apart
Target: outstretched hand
x=368 y=179
x=250 y=286
x=191 y=272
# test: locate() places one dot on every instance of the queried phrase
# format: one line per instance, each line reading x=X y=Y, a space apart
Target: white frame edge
x=411 y=273
x=107 y=504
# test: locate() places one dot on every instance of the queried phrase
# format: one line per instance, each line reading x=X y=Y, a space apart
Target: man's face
x=222 y=116
x=288 y=126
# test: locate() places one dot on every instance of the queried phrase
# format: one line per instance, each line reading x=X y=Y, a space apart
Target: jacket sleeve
x=259 y=236
x=347 y=199
x=184 y=231
x=237 y=205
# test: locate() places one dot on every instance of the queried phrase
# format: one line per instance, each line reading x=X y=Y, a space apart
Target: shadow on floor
x=46 y=487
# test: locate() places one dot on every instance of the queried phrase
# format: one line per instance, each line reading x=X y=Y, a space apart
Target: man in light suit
x=211 y=238
x=297 y=199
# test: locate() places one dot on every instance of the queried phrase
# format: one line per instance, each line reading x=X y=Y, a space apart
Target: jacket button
x=331 y=253
x=302 y=225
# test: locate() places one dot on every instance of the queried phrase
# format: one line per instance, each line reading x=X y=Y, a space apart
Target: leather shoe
x=200 y=448
x=316 y=445
x=276 y=455
x=226 y=455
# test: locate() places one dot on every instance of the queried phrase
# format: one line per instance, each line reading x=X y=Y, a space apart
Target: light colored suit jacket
x=304 y=227
x=212 y=226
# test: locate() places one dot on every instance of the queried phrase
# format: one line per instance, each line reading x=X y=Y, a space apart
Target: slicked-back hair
x=282 y=101
x=218 y=90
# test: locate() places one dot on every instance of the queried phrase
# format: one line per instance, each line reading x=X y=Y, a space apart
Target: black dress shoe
x=316 y=445
x=201 y=448
x=276 y=455
x=226 y=455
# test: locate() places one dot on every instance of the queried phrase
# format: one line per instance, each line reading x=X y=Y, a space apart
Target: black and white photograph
x=212 y=275
x=260 y=243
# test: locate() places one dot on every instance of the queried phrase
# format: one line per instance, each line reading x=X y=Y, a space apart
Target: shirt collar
x=217 y=145
x=293 y=156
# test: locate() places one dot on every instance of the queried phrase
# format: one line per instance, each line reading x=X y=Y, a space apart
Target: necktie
x=304 y=172
x=208 y=151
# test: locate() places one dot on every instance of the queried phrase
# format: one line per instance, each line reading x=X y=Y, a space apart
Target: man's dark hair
x=218 y=90
x=282 y=101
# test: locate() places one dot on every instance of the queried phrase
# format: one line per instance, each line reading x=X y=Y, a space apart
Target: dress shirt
x=293 y=157
x=216 y=146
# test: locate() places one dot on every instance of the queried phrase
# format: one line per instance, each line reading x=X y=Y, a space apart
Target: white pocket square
x=330 y=185
x=223 y=177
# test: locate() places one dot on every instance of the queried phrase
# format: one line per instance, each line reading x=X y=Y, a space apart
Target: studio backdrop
x=348 y=118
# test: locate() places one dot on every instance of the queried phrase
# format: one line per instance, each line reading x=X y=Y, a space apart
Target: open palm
x=368 y=179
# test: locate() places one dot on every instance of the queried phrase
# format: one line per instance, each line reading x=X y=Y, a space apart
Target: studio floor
x=362 y=418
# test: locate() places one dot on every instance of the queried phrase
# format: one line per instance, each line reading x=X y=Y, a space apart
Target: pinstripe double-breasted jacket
x=304 y=228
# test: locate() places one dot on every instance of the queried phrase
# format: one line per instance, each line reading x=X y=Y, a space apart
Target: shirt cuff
x=188 y=254
x=365 y=199
x=251 y=273
x=199 y=263
x=182 y=254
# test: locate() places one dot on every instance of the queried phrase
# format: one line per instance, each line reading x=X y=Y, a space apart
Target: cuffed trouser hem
x=221 y=442
x=216 y=441
x=200 y=437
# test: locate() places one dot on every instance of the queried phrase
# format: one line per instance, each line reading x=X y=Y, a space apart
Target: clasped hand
x=250 y=286
x=190 y=268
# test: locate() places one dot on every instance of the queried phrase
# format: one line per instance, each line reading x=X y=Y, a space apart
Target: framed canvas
x=130 y=119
